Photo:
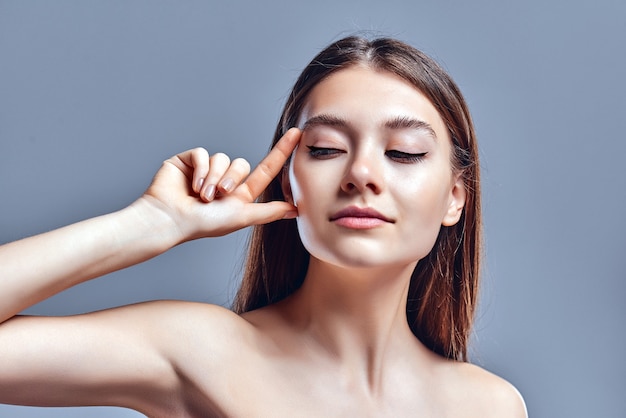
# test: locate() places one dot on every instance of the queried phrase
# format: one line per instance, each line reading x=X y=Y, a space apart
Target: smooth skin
x=340 y=346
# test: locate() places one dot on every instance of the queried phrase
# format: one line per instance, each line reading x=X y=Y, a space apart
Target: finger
x=271 y=165
x=262 y=213
x=236 y=173
x=218 y=164
x=194 y=162
x=187 y=161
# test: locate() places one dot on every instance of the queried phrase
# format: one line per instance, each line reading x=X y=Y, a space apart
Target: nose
x=364 y=172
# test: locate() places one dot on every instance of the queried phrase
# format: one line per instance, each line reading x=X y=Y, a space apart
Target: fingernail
x=199 y=183
x=291 y=214
x=209 y=193
x=228 y=185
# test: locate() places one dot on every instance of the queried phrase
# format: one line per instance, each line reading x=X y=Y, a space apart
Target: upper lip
x=357 y=212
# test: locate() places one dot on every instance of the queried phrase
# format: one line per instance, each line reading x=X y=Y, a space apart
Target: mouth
x=359 y=218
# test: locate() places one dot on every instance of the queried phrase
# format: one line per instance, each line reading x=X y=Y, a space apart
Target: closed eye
x=405 y=157
x=323 y=153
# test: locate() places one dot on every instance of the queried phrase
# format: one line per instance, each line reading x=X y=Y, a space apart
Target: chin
x=363 y=250
x=362 y=258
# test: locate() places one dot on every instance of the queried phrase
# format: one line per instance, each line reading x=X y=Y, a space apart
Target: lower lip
x=359 y=222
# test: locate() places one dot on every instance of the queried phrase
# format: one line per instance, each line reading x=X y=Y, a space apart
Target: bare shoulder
x=211 y=349
x=193 y=313
x=479 y=392
x=204 y=325
x=163 y=317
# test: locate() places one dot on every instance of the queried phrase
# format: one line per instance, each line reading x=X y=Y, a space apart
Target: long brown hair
x=444 y=284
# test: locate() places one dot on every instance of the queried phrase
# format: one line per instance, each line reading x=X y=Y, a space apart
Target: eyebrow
x=400 y=122
x=325 y=120
x=405 y=122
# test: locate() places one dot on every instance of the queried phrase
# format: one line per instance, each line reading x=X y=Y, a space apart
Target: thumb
x=263 y=213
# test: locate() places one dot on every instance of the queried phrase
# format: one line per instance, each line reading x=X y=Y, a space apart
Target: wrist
x=159 y=226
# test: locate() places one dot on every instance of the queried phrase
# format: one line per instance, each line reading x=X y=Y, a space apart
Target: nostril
x=348 y=186
x=361 y=175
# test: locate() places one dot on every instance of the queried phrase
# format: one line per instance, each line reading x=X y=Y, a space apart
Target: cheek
x=309 y=181
x=421 y=215
x=295 y=182
x=303 y=188
x=307 y=187
x=424 y=201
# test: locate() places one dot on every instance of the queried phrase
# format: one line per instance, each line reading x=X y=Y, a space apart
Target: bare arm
x=104 y=358
x=37 y=267
x=37 y=353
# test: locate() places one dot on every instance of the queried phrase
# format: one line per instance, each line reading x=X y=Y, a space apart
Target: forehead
x=368 y=97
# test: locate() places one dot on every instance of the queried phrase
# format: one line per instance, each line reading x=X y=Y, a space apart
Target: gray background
x=95 y=94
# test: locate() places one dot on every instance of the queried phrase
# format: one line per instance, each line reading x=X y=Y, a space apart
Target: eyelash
x=323 y=153
x=398 y=156
x=405 y=157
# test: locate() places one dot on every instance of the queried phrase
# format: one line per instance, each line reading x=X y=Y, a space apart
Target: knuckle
x=199 y=157
x=241 y=164
x=199 y=152
x=220 y=156
x=265 y=169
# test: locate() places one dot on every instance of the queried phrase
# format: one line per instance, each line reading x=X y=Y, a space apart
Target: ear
x=285 y=185
x=456 y=202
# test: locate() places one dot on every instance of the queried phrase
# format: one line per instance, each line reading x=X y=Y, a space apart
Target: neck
x=357 y=316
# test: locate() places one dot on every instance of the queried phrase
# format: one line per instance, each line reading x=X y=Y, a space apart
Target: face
x=372 y=177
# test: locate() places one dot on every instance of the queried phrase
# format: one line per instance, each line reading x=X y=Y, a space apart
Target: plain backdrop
x=94 y=95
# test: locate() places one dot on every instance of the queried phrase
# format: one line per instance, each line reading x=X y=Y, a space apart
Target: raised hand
x=211 y=195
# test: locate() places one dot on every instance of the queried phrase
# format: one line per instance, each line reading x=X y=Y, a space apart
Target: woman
x=361 y=306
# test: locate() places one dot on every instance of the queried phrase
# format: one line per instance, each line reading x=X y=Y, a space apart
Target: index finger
x=271 y=165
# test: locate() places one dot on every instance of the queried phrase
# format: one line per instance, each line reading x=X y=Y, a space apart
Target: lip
x=359 y=218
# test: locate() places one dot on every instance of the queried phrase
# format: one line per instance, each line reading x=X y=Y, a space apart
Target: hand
x=212 y=196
